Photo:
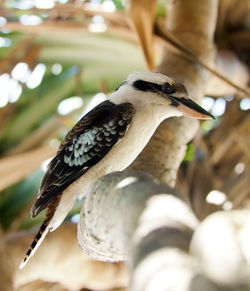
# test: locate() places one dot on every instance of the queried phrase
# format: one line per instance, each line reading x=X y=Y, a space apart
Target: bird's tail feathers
x=43 y=230
x=47 y=225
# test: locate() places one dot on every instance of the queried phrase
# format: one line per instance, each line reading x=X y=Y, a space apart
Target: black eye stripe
x=146 y=86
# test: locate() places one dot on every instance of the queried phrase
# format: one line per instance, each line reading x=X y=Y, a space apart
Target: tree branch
x=131 y=216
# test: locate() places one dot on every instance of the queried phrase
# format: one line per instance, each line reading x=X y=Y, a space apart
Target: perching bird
x=108 y=139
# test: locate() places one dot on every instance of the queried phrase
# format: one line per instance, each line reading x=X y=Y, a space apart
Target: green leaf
x=190 y=153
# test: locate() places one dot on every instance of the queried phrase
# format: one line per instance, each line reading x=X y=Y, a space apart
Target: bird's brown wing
x=84 y=146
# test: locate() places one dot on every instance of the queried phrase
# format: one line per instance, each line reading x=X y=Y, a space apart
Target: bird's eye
x=167 y=88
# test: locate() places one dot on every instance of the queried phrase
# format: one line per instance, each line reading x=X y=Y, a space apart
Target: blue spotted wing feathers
x=83 y=147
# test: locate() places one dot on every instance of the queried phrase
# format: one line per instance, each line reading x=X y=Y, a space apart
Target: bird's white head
x=159 y=89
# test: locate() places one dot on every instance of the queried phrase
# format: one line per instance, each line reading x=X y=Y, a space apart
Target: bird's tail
x=43 y=230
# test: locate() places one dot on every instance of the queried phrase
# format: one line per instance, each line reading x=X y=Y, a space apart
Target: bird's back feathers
x=83 y=147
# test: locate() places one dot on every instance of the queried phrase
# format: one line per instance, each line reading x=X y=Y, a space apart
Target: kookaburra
x=108 y=139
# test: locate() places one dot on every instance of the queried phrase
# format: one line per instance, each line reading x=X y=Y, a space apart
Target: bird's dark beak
x=189 y=108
